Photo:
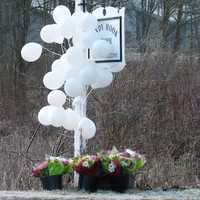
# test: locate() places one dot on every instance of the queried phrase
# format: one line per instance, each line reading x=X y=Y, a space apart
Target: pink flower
x=65 y=162
x=39 y=168
x=94 y=157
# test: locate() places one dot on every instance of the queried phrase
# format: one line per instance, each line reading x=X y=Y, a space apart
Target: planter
x=104 y=183
x=88 y=183
x=52 y=182
x=119 y=183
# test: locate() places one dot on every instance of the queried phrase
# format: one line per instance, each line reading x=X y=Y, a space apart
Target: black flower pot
x=104 y=183
x=52 y=182
x=88 y=183
x=119 y=183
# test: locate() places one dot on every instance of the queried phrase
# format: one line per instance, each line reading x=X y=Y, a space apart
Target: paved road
x=192 y=194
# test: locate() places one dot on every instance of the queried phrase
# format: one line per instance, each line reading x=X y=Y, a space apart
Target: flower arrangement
x=107 y=170
x=87 y=165
x=40 y=170
x=53 y=167
x=112 y=163
x=128 y=162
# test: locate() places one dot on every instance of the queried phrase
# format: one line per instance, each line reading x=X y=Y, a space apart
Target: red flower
x=117 y=168
x=85 y=170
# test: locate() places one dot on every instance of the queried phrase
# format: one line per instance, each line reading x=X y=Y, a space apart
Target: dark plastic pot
x=52 y=182
x=119 y=183
x=88 y=183
x=104 y=183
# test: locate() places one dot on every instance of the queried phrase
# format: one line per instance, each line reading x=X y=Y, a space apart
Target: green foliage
x=105 y=161
x=138 y=165
x=56 y=167
x=68 y=169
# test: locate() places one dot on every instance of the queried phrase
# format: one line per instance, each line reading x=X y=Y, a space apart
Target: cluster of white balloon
x=73 y=69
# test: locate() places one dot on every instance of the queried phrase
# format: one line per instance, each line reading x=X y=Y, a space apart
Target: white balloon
x=31 y=51
x=51 y=33
x=71 y=120
x=74 y=87
x=104 y=66
x=75 y=56
x=76 y=18
x=57 y=116
x=53 y=80
x=61 y=65
x=87 y=127
x=88 y=75
x=64 y=57
x=56 y=98
x=46 y=35
x=60 y=13
x=88 y=22
x=59 y=39
x=43 y=115
x=85 y=39
x=101 y=49
x=72 y=71
x=117 y=67
x=56 y=63
x=67 y=28
x=72 y=67
x=71 y=74
x=104 y=79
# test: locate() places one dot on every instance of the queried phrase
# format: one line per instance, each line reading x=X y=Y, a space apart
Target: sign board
x=111 y=29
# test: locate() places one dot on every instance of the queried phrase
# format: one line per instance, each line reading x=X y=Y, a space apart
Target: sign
x=111 y=29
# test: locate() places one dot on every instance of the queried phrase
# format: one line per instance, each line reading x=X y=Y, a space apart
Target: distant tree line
x=173 y=17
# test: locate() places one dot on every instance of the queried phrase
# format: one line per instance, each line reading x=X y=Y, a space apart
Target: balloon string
x=52 y=52
x=69 y=44
x=88 y=94
x=62 y=48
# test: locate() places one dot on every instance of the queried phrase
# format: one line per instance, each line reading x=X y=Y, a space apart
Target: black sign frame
x=120 y=41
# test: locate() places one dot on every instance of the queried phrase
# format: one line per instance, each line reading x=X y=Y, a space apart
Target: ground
x=190 y=194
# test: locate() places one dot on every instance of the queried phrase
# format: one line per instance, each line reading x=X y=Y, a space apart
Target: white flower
x=63 y=159
x=132 y=153
x=112 y=156
x=86 y=164
x=111 y=167
x=53 y=158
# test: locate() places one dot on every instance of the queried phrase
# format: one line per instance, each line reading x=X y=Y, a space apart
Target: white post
x=79 y=105
x=77 y=6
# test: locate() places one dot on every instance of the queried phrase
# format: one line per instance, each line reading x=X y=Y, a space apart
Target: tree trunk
x=15 y=21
